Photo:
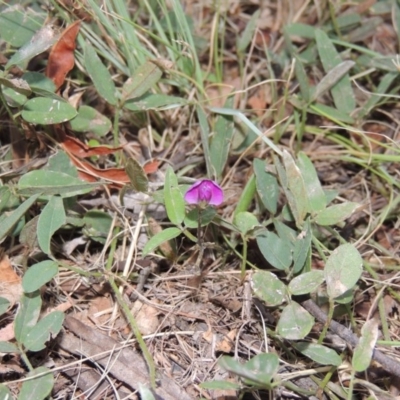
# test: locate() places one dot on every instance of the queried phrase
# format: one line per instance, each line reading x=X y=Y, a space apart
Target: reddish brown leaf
x=151 y=166
x=61 y=58
x=74 y=146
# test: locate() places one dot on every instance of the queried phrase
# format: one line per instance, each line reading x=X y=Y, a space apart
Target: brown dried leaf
x=10 y=282
x=146 y=317
x=61 y=58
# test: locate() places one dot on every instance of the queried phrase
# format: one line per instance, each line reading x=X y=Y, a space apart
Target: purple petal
x=205 y=191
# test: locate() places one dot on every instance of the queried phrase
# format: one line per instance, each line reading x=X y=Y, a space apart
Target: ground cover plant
x=199 y=200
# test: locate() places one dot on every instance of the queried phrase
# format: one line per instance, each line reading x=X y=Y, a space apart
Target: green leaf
x=13 y=97
x=7 y=347
x=302 y=247
x=342 y=270
x=220 y=385
x=296 y=185
x=245 y=222
x=267 y=186
x=336 y=213
x=99 y=74
x=192 y=217
x=246 y=197
x=42 y=40
x=259 y=370
x=342 y=91
x=300 y=29
x=38 y=275
x=89 y=119
x=331 y=113
x=276 y=251
x=4 y=305
x=53 y=183
x=8 y=200
x=174 y=201
x=47 y=327
x=46 y=111
x=51 y=219
x=160 y=238
x=137 y=176
x=315 y=193
x=39 y=387
x=306 y=283
x=264 y=366
x=18 y=84
x=150 y=101
x=302 y=78
x=295 y=322
x=246 y=37
x=144 y=78
x=221 y=141
x=362 y=355
x=18 y=24
x=11 y=220
x=97 y=225
x=27 y=315
x=61 y=162
x=317 y=352
x=269 y=288
x=332 y=78
x=40 y=84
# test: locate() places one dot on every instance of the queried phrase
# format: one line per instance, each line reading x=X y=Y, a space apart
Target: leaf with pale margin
x=342 y=270
x=269 y=288
x=362 y=354
x=306 y=283
x=315 y=193
x=295 y=322
x=336 y=213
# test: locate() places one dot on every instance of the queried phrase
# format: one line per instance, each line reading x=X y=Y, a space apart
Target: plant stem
x=132 y=322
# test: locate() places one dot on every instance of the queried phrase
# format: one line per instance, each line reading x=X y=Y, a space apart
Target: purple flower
x=205 y=191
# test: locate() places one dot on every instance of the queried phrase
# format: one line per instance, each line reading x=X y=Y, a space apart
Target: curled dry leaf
x=74 y=146
x=61 y=58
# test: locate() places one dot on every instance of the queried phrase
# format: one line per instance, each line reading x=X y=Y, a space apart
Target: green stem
x=244 y=259
x=132 y=322
x=328 y=321
x=25 y=358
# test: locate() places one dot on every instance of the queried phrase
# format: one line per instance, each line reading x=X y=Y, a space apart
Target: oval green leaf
x=362 y=355
x=90 y=120
x=267 y=186
x=317 y=352
x=295 y=322
x=269 y=288
x=336 y=213
x=173 y=198
x=99 y=74
x=53 y=183
x=160 y=238
x=275 y=250
x=342 y=270
x=306 y=283
x=51 y=219
x=38 y=275
x=245 y=222
x=46 y=328
x=39 y=386
x=46 y=111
